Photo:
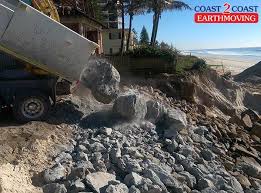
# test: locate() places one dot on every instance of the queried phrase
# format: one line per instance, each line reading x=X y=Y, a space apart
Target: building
x=112 y=41
x=111 y=15
x=73 y=15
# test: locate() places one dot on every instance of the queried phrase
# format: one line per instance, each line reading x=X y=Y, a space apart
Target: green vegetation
x=144 y=37
x=186 y=63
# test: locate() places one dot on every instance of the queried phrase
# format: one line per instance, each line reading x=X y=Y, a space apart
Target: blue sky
x=179 y=28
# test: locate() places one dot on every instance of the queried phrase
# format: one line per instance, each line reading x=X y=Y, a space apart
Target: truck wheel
x=31 y=108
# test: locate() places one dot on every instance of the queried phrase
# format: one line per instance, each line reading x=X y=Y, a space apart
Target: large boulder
x=130 y=106
x=175 y=120
x=155 y=111
x=103 y=80
x=99 y=180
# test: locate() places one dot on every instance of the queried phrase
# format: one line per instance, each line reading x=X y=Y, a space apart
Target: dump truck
x=36 y=50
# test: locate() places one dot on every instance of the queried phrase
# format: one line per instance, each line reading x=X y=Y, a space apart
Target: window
x=114 y=36
x=111 y=51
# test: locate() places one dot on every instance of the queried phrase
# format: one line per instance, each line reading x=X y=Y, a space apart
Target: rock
x=130 y=106
x=175 y=120
x=115 y=154
x=210 y=190
x=97 y=147
x=247 y=121
x=63 y=158
x=250 y=167
x=103 y=80
x=204 y=183
x=235 y=185
x=133 y=189
x=133 y=179
x=155 y=111
x=207 y=154
x=119 y=188
x=147 y=126
x=106 y=131
x=252 y=114
x=201 y=130
x=190 y=179
x=256 y=130
x=55 y=174
x=172 y=146
x=178 y=168
x=78 y=185
x=129 y=165
x=243 y=180
x=54 y=188
x=164 y=176
x=154 y=178
x=256 y=183
x=99 y=180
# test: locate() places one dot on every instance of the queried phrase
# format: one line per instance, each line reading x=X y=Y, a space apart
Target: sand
x=227 y=63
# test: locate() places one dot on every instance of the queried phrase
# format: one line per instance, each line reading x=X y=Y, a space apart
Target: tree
x=144 y=36
x=158 y=7
x=134 y=7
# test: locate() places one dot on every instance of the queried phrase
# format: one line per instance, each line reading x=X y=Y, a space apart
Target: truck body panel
x=37 y=39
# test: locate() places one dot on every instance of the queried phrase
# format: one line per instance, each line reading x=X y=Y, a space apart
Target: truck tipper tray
x=33 y=37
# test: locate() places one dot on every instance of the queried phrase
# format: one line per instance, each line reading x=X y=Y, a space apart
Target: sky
x=178 y=28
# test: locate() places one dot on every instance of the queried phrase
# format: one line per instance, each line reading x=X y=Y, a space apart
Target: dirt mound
x=210 y=89
x=252 y=74
x=15 y=179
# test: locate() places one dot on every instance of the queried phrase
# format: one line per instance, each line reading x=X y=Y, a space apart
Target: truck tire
x=31 y=107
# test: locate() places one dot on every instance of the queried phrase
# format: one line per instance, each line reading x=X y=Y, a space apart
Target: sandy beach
x=229 y=63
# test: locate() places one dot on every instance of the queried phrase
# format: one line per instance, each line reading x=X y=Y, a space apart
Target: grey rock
x=129 y=165
x=103 y=80
x=115 y=154
x=119 y=188
x=235 y=185
x=63 y=158
x=154 y=178
x=187 y=151
x=147 y=126
x=78 y=185
x=133 y=179
x=178 y=168
x=173 y=146
x=190 y=179
x=175 y=120
x=201 y=130
x=208 y=155
x=97 y=147
x=165 y=176
x=54 y=188
x=106 y=131
x=251 y=167
x=130 y=106
x=133 y=189
x=195 y=191
x=155 y=111
x=204 y=183
x=55 y=174
x=99 y=180
x=210 y=190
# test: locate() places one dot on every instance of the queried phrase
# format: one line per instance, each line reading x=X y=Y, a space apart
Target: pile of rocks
x=158 y=149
